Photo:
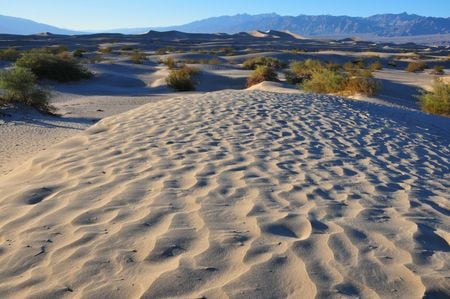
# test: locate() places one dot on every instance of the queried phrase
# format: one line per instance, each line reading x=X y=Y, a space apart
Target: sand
x=241 y=194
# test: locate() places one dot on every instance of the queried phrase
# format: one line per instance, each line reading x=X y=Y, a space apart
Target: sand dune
x=245 y=194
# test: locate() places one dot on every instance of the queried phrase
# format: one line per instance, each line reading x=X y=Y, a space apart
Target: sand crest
x=245 y=194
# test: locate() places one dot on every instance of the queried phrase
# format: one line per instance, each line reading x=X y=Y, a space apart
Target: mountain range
x=387 y=25
x=383 y=25
x=13 y=25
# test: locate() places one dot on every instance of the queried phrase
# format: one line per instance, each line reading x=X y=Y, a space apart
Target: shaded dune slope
x=234 y=193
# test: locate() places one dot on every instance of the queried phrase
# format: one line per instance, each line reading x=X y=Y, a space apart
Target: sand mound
x=245 y=194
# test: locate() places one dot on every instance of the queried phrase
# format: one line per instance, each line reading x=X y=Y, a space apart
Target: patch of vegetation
x=362 y=84
x=322 y=78
x=170 y=63
x=78 y=53
x=138 y=57
x=354 y=67
x=325 y=81
x=260 y=74
x=303 y=70
x=376 y=66
x=61 y=68
x=128 y=48
x=253 y=63
x=211 y=61
x=104 y=50
x=438 y=70
x=19 y=86
x=182 y=79
x=438 y=99
x=416 y=66
x=10 y=54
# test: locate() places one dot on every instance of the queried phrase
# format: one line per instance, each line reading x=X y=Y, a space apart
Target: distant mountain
x=386 y=25
x=383 y=26
x=13 y=25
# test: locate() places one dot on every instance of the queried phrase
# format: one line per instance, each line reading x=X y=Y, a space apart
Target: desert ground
x=136 y=190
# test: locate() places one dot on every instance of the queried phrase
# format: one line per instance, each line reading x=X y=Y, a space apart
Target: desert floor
x=234 y=193
x=267 y=192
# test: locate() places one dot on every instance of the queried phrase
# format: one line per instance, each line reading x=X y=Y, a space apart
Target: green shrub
x=138 y=57
x=303 y=70
x=18 y=86
x=260 y=74
x=10 y=54
x=253 y=63
x=127 y=48
x=211 y=61
x=438 y=99
x=182 y=79
x=170 y=63
x=325 y=81
x=376 y=66
x=58 y=49
x=79 y=53
x=364 y=85
x=438 y=70
x=354 y=67
x=61 y=68
x=104 y=50
x=328 y=81
x=416 y=66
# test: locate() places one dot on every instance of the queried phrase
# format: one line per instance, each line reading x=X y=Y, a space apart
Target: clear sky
x=108 y=14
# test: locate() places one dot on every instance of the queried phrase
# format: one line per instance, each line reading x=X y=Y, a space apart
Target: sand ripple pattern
x=234 y=194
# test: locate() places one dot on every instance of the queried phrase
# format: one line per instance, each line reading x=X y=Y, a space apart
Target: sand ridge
x=234 y=194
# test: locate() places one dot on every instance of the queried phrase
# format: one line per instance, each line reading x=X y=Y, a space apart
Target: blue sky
x=106 y=14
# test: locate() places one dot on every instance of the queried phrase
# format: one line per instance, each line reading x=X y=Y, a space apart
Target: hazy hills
x=13 y=25
x=383 y=25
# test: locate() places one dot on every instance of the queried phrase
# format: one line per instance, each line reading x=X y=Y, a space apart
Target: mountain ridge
x=21 y=26
x=382 y=25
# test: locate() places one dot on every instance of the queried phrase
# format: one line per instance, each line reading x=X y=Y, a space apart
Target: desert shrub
x=182 y=79
x=325 y=81
x=211 y=61
x=170 y=63
x=333 y=66
x=416 y=66
x=438 y=70
x=376 y=66
x=138 y=57
x=260 y=74
x=127 y=48
x=438 y=99
x=161 y=51
x=58 y=49
x=104 y=50
x=53 y=67
x=303 y=70
x=329 y=81
x=364 y=85
x=253 y=63
x=354 y=67
x=10 y=54
x=79 y=53
x=19 y=86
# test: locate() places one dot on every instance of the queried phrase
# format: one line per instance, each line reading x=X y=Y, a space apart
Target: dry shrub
x=19 y=86
x=260 y=74
x=182 y=79
x=438 y=99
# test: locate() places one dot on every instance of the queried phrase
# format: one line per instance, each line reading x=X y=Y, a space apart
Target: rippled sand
x=245 y=194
